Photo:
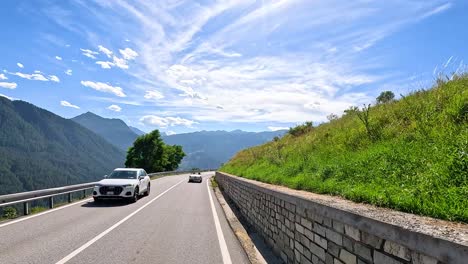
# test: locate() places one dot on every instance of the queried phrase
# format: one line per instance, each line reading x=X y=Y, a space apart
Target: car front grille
x=115 y=190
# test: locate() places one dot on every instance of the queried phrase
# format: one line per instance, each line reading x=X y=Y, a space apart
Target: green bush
x=409 y=154
x=9 y=213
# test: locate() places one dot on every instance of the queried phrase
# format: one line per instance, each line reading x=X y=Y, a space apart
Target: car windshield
x=123 y=175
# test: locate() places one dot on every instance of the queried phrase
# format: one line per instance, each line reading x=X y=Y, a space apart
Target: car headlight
x=127 y=185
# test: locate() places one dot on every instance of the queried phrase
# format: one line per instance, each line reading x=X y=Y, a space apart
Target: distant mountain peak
x=114 y=130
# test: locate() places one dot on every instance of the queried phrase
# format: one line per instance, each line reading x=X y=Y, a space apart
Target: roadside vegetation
x=153 y=155
x=409 y=154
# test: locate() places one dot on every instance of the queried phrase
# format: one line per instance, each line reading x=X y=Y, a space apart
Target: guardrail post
x=70 y=197
x=26 y=208
x=84 y=194
x=51 y=202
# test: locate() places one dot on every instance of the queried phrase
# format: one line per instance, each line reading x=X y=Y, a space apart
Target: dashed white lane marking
x=219 y=231
x=92 y=241
x=43 y=213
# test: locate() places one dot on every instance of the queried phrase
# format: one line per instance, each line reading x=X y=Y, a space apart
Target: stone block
x=418 y=258
x=363 y=251
x=397 y=250
x=321 y=241
x=306 y=223
x=334 y=236
x=347 y=257
x=352 y=232
x=333 y=249
x=381 y=258
x=338 y=226
x=348 y=244
x=371 y=240
x=319 y=229
x=318 y=251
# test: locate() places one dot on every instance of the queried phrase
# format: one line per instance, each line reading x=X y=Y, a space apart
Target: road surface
x=179 y=222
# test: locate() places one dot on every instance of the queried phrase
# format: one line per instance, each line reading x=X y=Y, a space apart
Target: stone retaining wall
x=301 y=230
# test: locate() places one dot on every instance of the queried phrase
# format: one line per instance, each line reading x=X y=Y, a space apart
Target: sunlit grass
x=415 y=161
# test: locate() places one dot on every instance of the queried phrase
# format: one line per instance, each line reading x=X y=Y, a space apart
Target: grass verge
x=410 y=154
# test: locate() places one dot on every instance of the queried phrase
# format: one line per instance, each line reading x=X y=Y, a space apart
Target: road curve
x=175 y=224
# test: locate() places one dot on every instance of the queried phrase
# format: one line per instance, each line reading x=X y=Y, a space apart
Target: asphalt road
x=175 y=224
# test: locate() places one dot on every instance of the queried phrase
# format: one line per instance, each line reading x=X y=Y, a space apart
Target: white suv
x=123 y=183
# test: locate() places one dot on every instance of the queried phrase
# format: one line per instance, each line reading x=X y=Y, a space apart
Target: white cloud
x=246 y=66
x=69 y=72
x=153 y=120
x=89 y=53
x=58 y=57
x=114 y=108
x=20 y=65
x=67 y=104
x=170 y=133
x=54 y=78
x=105 y=64
x=119 y=62
x=128 y=53
x=105 y=51
x=33 y=76
x=104 y=87
x=275 y=128
x=153 y=95
x=3 y=77
x=437 y=10
x=8 y=85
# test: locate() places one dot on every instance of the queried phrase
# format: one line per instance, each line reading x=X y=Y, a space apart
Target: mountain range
x=203 y=149
x=39 y=149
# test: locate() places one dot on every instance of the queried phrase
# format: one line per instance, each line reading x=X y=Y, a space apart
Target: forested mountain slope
x=209 y=149
x=115 y=131
x=39 y=149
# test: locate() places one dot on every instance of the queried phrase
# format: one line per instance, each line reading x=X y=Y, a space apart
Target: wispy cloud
x=105 y=64
x=437 y=10
x=105 y=50
x=68 y=104
x=153 y=95
x=275 y=128
x=69 y=72
x=163 y=122
x=20 y=65
x=58 y=58
x=89 y=53
x=248 y=61
x=104 y=87
x=3 y=77
x=8 y=85
x=114 y=108
x=54 y=78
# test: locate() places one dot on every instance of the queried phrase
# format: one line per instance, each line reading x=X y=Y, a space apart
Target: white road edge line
x=92 y=241
x=43 y=213
x=219 y=231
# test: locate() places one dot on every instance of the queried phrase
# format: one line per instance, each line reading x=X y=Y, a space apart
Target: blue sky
x=182 y=66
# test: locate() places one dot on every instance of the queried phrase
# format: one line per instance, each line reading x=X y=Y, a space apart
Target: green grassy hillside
x=413 y=155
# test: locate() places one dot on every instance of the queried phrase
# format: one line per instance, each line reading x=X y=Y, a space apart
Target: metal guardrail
x=26 y=197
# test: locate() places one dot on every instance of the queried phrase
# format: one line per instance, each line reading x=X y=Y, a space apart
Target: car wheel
x=135 y=196
x=148 y=190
